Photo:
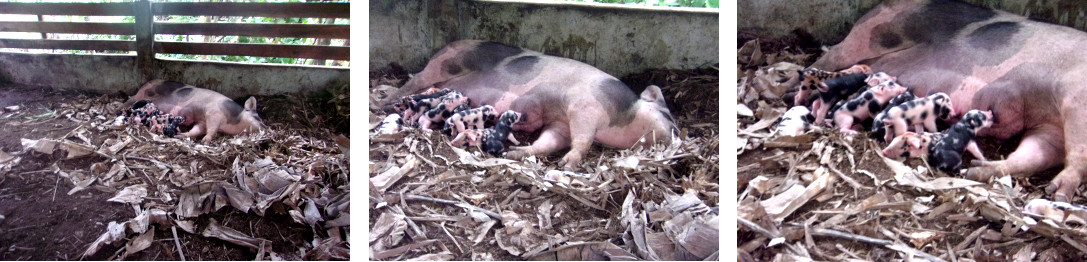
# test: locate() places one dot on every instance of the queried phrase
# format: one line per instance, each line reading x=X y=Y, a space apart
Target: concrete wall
x=96 y=73
x=108 y=74
x=830 y=20
x=239 y=79
x=618 y=40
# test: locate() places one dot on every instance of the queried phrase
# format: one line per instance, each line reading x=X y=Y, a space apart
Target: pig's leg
x=424 y=123
x=553 y=138
x=513 y=139
x=900 y=127
x=973 y=148
x=213 y=127
x=458 y=140
x=1036 y=152
x=820 y=109
x=930 y=124
x=801 y=96
x=582 y=132
x=844 y=121
x=1066 y=182
x=197 y=130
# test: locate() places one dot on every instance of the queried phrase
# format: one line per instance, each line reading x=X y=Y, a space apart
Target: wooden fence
x=144 y=29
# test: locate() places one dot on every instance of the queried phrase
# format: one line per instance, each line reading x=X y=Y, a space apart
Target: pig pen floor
x=50 y=210
x=431 y=201
x=816 y=197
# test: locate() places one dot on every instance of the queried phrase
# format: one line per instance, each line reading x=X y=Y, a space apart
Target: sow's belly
x=1021 y=91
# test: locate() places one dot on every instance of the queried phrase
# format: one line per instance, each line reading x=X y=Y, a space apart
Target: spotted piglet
x=811 y=78
x=796 y=121
x=866 y=105
x=921 y=113
x=878 y=128
x=444 y=110
x=421 y=103
x=911 y=144
x=469 y=119
x=946 y=154
x=878 y=78
x=834 y=90
x=491 y=139
x=943 y=150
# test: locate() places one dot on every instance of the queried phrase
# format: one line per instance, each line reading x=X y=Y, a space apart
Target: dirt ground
x=826 y=196
x=40 y=220
x=424 y=213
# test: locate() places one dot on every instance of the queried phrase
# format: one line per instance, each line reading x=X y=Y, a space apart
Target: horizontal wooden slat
x=266 y=30
x=69 y=44
x=292 y=51
x=321 y=10
x=68 y=28
x=86 y=9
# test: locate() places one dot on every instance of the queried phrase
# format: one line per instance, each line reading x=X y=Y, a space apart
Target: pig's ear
x=914 y=142
x=653 y=93
x=251 y=104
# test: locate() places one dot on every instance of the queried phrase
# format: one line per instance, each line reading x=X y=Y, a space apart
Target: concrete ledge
x=107 y=74
x=95 y=73
x=619 y=40
x=244 y=79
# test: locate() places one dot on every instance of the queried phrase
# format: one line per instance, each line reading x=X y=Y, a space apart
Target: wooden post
x=145 y=38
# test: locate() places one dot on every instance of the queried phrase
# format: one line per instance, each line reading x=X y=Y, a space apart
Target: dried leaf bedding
x=430 y=200
x=827 y=196
x=296 y=177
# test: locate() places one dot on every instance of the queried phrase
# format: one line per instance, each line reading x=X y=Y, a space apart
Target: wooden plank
x=265 y=30
x=145 y=39
x=86 y=9
x=69 y=44
x=292 y=51
x=68 y=28
x=320 y=10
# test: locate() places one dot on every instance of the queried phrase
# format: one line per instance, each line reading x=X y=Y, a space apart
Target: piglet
x=796 y=121
x=920 y=113
x=835 y=89
x=878 y=128
x=910 y=144
x=943 y=150
x=469 y=119
x=450 y=100
x=494 y=142
x=878 y=78
x=207 y=111
x=390 y=124
x=946 y=154
x=866 y=105
x=491 y=139
x=443 y=111
x=412 y=105
x=812 y=78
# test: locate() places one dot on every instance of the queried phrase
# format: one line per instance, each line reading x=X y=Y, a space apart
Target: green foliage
x=669 y=3
x=207 y=39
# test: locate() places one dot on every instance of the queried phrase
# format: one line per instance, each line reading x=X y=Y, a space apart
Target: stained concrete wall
x=829 y=21
x=619 y=40
x=108 y=74
x=240 y=79
x=95 y=73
